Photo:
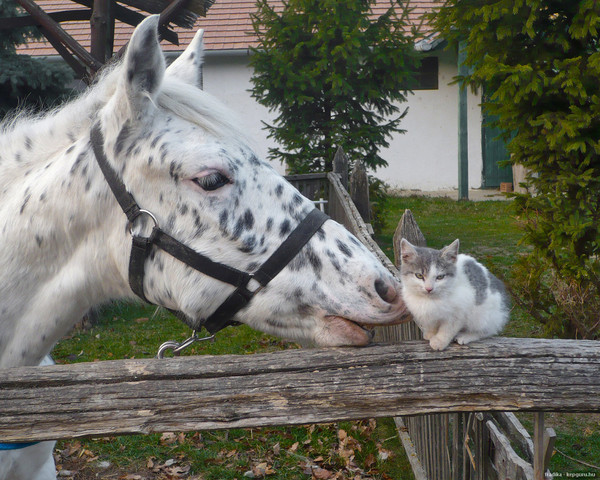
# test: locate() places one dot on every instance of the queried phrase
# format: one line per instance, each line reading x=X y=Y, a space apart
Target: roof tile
x=227 y=26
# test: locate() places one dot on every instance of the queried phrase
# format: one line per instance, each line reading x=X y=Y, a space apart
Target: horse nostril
x=385 y=290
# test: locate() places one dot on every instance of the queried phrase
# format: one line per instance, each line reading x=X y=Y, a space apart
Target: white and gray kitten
x=451 y=295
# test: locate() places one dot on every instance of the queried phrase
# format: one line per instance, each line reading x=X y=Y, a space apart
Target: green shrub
x=539 y=63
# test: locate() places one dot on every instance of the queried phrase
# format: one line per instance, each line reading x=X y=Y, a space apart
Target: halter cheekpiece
x=247 y=284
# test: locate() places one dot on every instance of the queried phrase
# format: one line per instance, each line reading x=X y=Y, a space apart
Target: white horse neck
x=55 y=207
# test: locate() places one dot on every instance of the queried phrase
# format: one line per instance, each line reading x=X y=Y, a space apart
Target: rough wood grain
x=359 y=191
x=409 y=229
x=506 y=462
x=296 y=387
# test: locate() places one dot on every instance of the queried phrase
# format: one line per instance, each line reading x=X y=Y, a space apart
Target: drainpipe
x=463 y=136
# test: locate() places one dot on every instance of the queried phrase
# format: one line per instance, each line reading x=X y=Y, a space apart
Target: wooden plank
x=54 y=30
x=549 y=441
x=506 y=461
x=538 y=446
x=340 y=166
x=29 y=21
x=409 y=448
x=456 y=446
x=512 y=428
x=297 y=387
x=359 y=191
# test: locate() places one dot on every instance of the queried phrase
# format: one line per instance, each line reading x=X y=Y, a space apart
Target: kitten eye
x=212 y=181
x=419 y=276
x=440 y=277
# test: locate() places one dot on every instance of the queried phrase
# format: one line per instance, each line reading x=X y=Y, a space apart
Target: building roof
x=227 y=25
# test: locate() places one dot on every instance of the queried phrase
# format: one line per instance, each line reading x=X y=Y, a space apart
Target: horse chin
x=335 y=331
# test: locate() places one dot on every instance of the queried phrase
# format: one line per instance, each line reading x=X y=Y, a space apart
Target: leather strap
x=278 y=260
x=141 y=249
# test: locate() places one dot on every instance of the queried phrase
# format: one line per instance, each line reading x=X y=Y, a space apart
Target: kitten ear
x=451 y=251
x=407 y=250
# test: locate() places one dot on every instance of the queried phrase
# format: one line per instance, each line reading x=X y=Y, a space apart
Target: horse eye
x=212 y=181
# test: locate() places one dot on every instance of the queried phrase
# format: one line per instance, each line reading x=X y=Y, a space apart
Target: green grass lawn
x=350 y=450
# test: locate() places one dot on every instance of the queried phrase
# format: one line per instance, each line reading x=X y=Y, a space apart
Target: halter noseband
x=247 y=284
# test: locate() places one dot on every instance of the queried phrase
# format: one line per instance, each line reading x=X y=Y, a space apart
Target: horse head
x=181 y=155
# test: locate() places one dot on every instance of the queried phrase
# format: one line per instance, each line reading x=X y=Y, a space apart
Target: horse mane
x=174 y=96
x=201 y=108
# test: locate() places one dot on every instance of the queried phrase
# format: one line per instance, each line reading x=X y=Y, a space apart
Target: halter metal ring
x=140 y=213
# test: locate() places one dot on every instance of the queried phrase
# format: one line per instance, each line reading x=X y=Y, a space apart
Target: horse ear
x=144 y=65
x=188 y=66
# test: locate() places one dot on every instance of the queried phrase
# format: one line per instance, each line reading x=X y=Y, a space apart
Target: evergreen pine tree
x=335 y=76
x=539 y=61
x=26 y=81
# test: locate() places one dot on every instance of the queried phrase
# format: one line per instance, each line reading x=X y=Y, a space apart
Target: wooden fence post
x=340 y=166
x=407 y=228
x=359 y=191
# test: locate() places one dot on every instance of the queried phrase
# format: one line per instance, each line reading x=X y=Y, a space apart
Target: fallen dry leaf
x=321 y=473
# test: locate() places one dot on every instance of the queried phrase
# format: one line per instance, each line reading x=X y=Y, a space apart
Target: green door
x=493 y=151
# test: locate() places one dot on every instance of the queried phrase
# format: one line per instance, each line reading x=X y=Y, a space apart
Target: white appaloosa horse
x=65 y=241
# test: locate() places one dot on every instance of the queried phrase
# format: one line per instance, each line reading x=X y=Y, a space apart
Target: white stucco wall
x=425 y=157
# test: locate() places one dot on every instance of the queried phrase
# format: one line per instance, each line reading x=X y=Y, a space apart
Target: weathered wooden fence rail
x=296 y=387
x=404 y=380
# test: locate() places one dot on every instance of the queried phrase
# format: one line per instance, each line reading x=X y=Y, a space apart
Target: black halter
x=247 y=284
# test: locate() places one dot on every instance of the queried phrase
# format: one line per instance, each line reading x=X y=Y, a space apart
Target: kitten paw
x=438 y=343
x=464 y=339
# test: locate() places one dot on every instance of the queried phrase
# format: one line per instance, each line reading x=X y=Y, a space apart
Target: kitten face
x=428 y=272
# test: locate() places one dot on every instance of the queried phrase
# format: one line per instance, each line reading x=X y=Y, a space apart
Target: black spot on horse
x=284 y=228
x=248 y=219
x=252 y=266
x=155 y=140
x=238 y=229
x=269 y=224
x=28 y=143
x=334 y=261
x=25 y=201
x=163 y=153
x=314 y=260
x=78 y=161
x=344 y=248
x=183 y=209
x=296 y=199
x=39 y=240
x=122 y=137
x=297 y=294
x=223 y=220
x=354 y=240
x=253 y=160
x=279 y=190
x=248 y=244
x=299 y=262
x=174 y=168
